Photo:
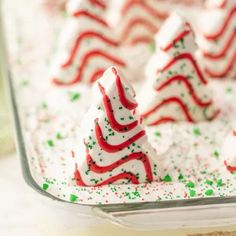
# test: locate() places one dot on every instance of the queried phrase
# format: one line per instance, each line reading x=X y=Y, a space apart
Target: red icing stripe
x=177 y=39
x=180 y=78
x=84 y=36
x=110 y=114
x=126 y=176
x=162 y=120
x=224 y=27
x=214 y=115
x=141 y=40
x=90 y=16
x=114 y=148
x=230 y=168
x=189 y=57
x=223 y=73
x=121 y=93
x=223 y=52
x=85 y=61
x=138 y=22
x=96 y=75
x=132 y=157
x=168 y=101
x=99 y=3
x=150 y=10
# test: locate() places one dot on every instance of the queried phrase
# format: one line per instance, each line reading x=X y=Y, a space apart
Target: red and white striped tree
x=113 y=147
x=176 y=89
x=217 y=39
x=137 y=21
x=87 y=45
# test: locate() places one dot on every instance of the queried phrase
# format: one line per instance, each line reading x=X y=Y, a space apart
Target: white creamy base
x=51 y=117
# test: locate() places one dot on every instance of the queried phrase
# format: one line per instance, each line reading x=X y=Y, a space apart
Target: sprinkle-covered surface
x=190 y=155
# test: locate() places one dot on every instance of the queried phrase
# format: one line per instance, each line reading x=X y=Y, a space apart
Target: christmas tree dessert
x=176 y=89
x=87 y=45
x=137 y=21
x=98 y=6
x=113 y=144
x=229 y=153
x=217 y=38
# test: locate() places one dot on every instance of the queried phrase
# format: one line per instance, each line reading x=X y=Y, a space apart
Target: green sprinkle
x=152 y=46
x=24 y=83
x=219 y=183
x=50 y=143
x=73 y=198
x=44 y=105
x=216 y=154
x=229 y=90
x=209 y=182
x=209 y=192
x=45 y=186
x=181 y=177
x=167 y=178
x=190 y=185
x=158 y=134
x=59 y=136
x=74 y=96
x=192 y=193
x=197 y=131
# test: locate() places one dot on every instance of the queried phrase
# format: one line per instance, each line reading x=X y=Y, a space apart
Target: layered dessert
x=101 y=130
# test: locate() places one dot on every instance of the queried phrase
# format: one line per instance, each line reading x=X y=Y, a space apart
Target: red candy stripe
x=81 y=38
x=178 y=38
x=180 y=78
x=125 y=176
x=150 y=10
x=90 y=55
x=132 y=157
x=170 y=100
x=114 y=148
x=189 y=57
x=110 y=114
x=121 y=92
x=228 y=20
x=90 y=16
x=224 y=51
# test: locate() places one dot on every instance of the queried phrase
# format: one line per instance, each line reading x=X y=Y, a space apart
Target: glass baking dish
x=170 y=214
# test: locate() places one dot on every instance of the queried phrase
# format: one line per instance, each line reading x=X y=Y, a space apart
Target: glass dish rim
x=109 y=208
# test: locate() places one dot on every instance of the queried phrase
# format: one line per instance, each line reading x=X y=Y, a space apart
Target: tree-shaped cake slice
x=176 y=87
x=138 y=20
x=86 y=47
x=113 y=145
x=217 y=38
